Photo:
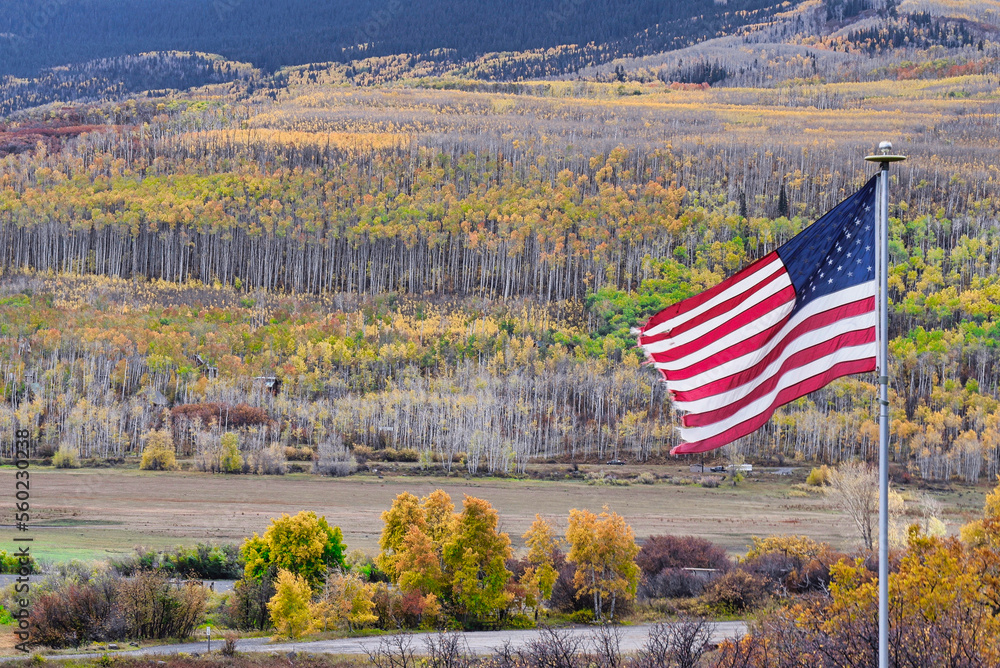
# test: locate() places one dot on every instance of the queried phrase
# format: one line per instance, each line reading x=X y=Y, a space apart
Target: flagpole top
x=885 y=154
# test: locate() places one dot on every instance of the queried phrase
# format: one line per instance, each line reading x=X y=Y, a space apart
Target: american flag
x=784 y=326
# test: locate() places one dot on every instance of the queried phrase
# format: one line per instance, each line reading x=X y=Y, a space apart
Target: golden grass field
x=95 y=513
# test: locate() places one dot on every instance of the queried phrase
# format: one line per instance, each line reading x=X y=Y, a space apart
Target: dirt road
x=482 y=642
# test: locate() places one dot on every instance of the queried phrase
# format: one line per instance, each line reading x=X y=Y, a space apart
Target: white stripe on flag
x=774 y=287
x=807 y=340
x=736 y=289
x=813 y=308
x=764 y=404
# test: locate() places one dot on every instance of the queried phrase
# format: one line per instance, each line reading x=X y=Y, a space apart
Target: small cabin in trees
x=270 y=383
x=155 y=397
x=206 y=369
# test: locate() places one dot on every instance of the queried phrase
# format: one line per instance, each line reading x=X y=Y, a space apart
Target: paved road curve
x=481 y=642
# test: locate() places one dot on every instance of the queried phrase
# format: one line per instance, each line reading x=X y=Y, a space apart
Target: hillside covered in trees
x=385 y=258
x=273 y=34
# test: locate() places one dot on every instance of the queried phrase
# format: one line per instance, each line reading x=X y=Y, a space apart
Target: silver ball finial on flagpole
x=885 y=154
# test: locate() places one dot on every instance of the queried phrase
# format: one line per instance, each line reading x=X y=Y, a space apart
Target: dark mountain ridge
x=270 y=34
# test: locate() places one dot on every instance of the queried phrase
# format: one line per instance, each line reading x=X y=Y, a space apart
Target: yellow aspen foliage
x=158 y=453
x=289 y=607
x=346 y=601
x=991 y=508
x=982 y=532
x=230 y=460
x=440 y=514
x=802 y=548
x=404 y=513
x=304 y=544
x=540 y=576
x=940 y=610
x=604 y=551
x=475 y=557
x=418 y=564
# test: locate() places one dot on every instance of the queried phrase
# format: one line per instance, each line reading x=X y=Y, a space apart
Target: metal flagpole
x=884 y=157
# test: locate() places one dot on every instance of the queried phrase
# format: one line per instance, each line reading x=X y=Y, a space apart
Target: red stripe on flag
x=694 y=302
x=787 y=395
x=811 y=323
x=801 y=358
x=775 y=301
x=722 y=307
x=726 y=355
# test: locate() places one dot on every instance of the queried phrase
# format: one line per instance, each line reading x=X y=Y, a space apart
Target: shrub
x=682 y=644
x=735 y=592
x=205 y=561
x=230 y=460
x=801 y=547
x=662 y=552
x=797 y=562
x=520 y=621
x=66 y=457
x=268 y=461
x=294 y=454
x=363 y=453
x=939 y=615
x=229 y=639
x=153 y=608
x=709 y=482
x=646 y=478
x=335 y=460
x=110 y=607
x=11 y=563
x=74 y=613
x=246 y=607
x=407 y=455
x=672 y=583
x=158 y=454
x=819 y=477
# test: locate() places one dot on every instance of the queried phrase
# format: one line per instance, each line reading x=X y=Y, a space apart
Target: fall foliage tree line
x=435 y=564
x=438 y=563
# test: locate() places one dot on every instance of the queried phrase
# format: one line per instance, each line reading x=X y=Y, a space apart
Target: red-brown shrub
x=735 y=592
x=660 y=552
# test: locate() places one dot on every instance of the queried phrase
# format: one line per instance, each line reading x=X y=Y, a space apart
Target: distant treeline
x=114 y=78
x=273 y=34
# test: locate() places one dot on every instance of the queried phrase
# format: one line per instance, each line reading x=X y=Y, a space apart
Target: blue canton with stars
x=835 y=252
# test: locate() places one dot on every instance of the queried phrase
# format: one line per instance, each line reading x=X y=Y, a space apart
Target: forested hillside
x=117 y=77
x=388 y=258
x=272 y=34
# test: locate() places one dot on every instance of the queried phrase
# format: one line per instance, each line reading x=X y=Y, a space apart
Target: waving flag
x=782 y=327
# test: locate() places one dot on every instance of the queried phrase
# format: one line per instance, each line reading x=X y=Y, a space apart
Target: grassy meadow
x=91 y=514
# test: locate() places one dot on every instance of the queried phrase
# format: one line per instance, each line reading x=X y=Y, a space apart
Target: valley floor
x=96 y=513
